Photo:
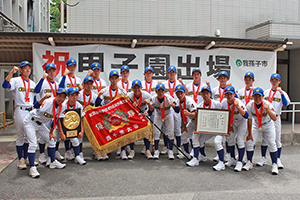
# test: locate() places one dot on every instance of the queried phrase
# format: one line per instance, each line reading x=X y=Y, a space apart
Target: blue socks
x=42 y=148
x=51 y=153
x=131 y=146
x=263 y=150
x=178 y=141
x=20 y=151
x=25 y=150
x=202 y=151
x=171 y=145
x=250 y=155
x=166 y=142
x=191 y=141
x=147 y=143
x=156 y=143
x=231 y=150
x=80 y=147
x=31 y=157
x=186 y=147
x=67 y=145
x=279 y=152
x=221 y=155
x=274 y=156
x=123 y=148
x=196 y=152
x=241 y=154
x=227 y=150
x=76 y=150
x=57 y=146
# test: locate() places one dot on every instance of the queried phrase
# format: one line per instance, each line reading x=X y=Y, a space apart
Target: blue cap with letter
x=136 y=82
x=229 y=89
x=71 y=61
x=206 y=88
x=172 y=68
x=196 y=70
x=223 y=73
x=149 y=68
x=179 y=88
x=113 y=72
x=95 y=65
x=124 y=67
x=72 y=90
x=275 y=75
x=88 y=78
x=24 y=63
x=258 y=91
x=249 y=74
x=160 y=86
x=49 y=66
x=61 y=90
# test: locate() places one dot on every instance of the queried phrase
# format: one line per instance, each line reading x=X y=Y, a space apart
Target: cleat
x=56 y=164
x=156 y=154
x=79 y=160
x=131 y=154
x=21 y=164
x=58 y=156
x=238 y=166
x=262 y=162
x=69 y=155
x=118 y=151
x=274 y=169
x=202 y=158
x=171 y=155
x=42 y=158
x=144 y=150
x=220 y=166
x=148 y=155
x=81 y=155
x=248 y=166
x=227 y=157
x=216 y=158
x=279 y=164
x=230 y=162
x=192 y=163
x=164 y=151
x=33 y=172
x=123 y=155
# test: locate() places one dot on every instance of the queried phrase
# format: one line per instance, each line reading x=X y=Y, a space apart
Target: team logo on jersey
x=115 y=121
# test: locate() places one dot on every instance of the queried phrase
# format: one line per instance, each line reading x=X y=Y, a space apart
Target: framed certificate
x=212 y=121
x=71 y=123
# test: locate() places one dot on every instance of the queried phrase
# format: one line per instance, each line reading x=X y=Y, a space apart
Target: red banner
x=114 y=125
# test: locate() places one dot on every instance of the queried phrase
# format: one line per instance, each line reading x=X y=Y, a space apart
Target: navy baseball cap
x=179 y=88
x=275 y=75
x=88 y=78
x=160 y=86
x=124 y=67
x=49 y=66
x=72 y=90
x=24 y=63
x=172 y=68
x=206 y=88
x=61 y=90
x=136 y=82
x=223 y=73
x=113 y=72
x=71 y=61
x=95 y=65
x=258 y=91
x=249 y=74
x=196 y=70
x=229 y=89
x=149 y=68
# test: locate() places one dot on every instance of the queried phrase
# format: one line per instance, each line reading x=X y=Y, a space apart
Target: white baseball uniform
x=110 y=94
x=125 y=85
x=69 y=81
x=98 y=85
x=194 y=91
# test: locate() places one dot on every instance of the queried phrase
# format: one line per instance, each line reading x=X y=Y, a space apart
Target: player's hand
x=147 y=101
x=63 y=137
x=145 y=114
x=80 y=88
x=251 y=88
x=101 y=92
x=231 y=129
x=196 y=132
x=158 y=82
x=184 y=129
x=207 y=83
x=171 y=104
x=180 y=81
x=186 y=112
x=236 y=103
x=80 y=134
x=279 y=89
x=45 y=75
x=66 y=72
x=51 y=135
x=134 y=104
x=228 y=83
x=266 y=106
x=14 y=69
x=249 y=137
x=90 y=72
x=47 y=96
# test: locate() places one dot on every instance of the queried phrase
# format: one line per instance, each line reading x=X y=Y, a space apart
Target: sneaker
x=171 y=155
x=131 y=154
x=33 y=172
x=220 y=166
x=230 y=162
x=72 y=152
x=21 y=164
x=202 y=158
x=279 y=164
x=227 y=157
x=192 y=153
x=69 y=155
x=274 y=169
x=127 y=149
x=192 y=163
x=156 y=154
x=28 y=164
x=48 y=162
x=262 y=162
x=97 y=157
x=148 y=155
x=79 y=160
x=181 y=156
x=164 y=151
x=118 y=151
x=216 y=158
x=56 y=164
x=123 y=155
x=58 y=156
x=144 y=150
x=42 y=158
x=248 y=166
x=81 y=155
x=238 y=166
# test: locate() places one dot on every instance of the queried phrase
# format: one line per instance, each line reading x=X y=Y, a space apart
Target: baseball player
x=24 y=97
x=47 y=85
x=237 y=128
x=46 y=109
x=187 y=107
x=72 y=103
x=124 y=82
x=164 y=116
x=245 y=94
x=218 y=94
x=278 y=98
x=261 y=120
x=170 y=86
x=95 y=73
x=141 y=99
x=199 y=139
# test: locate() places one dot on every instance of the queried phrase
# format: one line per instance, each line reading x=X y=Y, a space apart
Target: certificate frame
x=212 y=121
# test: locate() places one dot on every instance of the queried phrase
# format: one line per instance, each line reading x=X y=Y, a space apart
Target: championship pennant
x=114 y=125
x=71 y=123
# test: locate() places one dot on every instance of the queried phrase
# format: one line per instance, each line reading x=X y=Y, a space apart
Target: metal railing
x=293 y=111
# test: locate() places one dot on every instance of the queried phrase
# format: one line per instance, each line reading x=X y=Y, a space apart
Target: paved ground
x=152 y=179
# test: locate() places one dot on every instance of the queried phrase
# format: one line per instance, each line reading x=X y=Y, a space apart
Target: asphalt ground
x=154 y=179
